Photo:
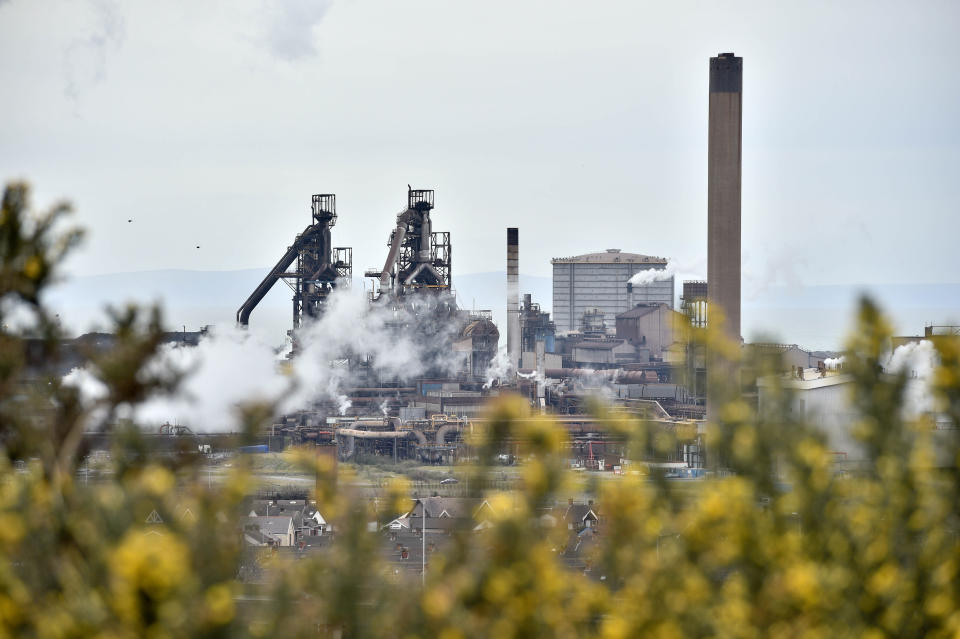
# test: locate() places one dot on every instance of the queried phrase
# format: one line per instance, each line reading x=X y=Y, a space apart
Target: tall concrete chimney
x=513 y=296
x=723 y=190
x=723 y=207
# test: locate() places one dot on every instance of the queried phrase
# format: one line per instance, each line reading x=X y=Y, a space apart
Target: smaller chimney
x=513 y=296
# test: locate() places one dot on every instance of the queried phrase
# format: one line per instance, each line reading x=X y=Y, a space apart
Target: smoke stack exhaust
x=513 y=296
x=723 y=211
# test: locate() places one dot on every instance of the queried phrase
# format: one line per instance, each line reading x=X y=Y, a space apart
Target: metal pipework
x=375 y=434
x=425 y=237
x=418 y=257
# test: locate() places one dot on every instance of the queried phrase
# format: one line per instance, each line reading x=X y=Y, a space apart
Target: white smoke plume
x=403 y=342
x=918 y=361
x=227 y=367
x=232 y=366
x=85 y=58
x=596 y=383
x=92 y=390
x=290 y=27
x=499 y=368
x=834 y=363
x=650 y=275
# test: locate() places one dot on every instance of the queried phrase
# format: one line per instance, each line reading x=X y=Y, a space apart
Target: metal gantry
x=419 y=258
x=320 y=267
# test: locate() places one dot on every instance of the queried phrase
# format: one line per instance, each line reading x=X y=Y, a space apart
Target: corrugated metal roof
x=596 y=345
x=610 y=256
x=639 y=311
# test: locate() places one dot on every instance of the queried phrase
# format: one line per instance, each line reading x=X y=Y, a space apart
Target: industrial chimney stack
x=513 y=296
x=723 y=208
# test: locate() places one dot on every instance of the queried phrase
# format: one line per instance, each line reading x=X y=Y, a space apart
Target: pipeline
x=376 y=434
x=243 y=313
x=617 y=375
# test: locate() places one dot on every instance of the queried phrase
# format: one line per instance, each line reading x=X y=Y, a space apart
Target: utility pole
x=423 y=539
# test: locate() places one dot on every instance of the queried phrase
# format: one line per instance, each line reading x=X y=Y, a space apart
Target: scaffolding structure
x=319 y=267
x=418 y=258
x=693 y=302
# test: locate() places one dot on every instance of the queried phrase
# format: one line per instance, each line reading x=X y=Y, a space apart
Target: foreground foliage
x=781 y=545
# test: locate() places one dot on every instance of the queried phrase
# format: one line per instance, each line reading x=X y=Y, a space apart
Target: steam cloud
x=834 y=363
x=232 y=366
x=85 y=58
x=651 y=275
x=918 y=360
x=290 y=27
x=499 y=368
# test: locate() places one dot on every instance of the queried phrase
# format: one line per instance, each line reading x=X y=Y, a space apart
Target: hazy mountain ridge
x=810 y=315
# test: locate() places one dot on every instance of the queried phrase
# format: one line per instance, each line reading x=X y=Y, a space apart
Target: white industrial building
x=599 y=281
x=822 y=398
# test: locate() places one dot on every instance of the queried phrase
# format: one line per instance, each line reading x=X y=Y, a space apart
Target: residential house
x=252 y=536
x=313 y=524
x=279 y=529
x=443 y=514
x=577 y=517
x=403 y=549
x=577 y=553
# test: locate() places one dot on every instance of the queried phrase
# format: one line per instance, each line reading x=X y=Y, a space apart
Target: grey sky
x=211 y=123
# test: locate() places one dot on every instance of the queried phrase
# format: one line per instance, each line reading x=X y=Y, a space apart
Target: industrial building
x=820 y=397
x=535 y=326
x=614 y=328
x=600 y=281
x=388 y=414
x=614 y=333
x=650 y=328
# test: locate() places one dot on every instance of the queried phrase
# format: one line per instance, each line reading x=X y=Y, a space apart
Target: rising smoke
x=353 y=343
x=917 y=361
x=834 y=363
x=85 y=57
x=289 y=27
x=651 y=275
x=499 y=368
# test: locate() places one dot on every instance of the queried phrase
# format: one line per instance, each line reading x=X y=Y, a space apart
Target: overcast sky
x=584 y=123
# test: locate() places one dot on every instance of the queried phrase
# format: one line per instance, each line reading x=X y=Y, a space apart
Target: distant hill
x=841 y=296
x=812 y=316
x=197 y=298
